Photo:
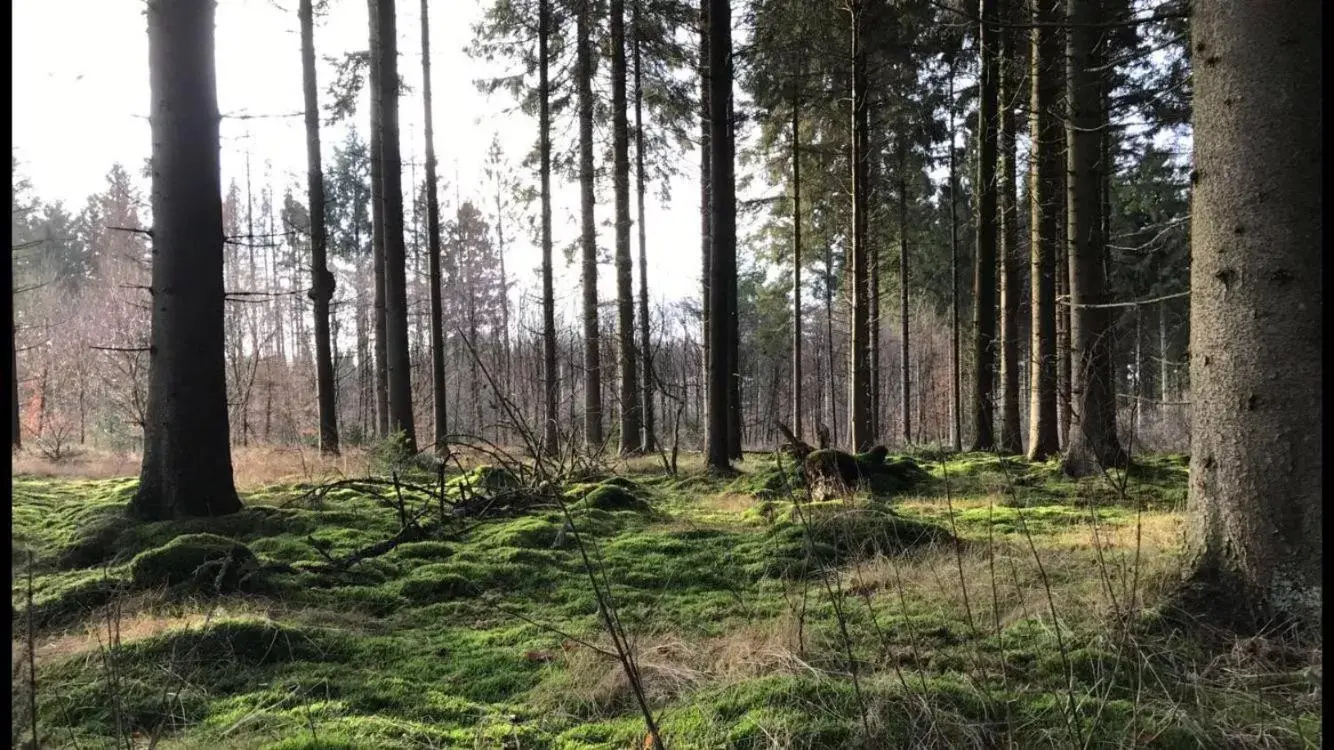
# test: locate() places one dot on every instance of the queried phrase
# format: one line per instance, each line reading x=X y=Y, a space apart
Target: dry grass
x=1084 y=584
x=671 y=666
x=253 y=466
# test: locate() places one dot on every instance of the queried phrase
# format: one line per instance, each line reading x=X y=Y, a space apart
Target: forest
x=992 y=417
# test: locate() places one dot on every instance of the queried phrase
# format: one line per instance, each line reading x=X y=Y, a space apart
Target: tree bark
x=860 y=436
x=1044 y=218
x=956 y=373
x=1092 y=444
x=551 y=380
x=796 y=261
x=187 y=464
x=984 y=265
x=377 y=229
x=397 y=355
x=705 y=204
x=322 y=281
x=905 y=383
x=648 y=443
x=588 y=235
x=1011 y=441
x=17 y=442
x=438 y=393
x=628 y=391
x=1254 y=534
x=722 y=261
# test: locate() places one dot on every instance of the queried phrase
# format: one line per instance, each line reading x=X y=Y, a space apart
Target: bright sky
x=81 y=99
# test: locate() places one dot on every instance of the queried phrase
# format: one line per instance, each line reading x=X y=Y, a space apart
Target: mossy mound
x=608 y=496
x=63 y=599
x=874 y=469
x=116 y=537
x=206 y=560
x=831 y=533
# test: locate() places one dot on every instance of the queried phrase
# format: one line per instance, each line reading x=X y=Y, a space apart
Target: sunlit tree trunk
x=1045 y=218
x=1254 y=541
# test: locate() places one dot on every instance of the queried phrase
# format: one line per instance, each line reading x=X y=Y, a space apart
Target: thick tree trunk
x=648 y=442
x=1092 y=445
x=588 y=235
x=1254 y=536
x=377 y=229
x=1011 y=441
x=705 y=203
x=984 y=265
x=722 y=260
x=439 y=398
x=860 y=436
x=1044 y=219
x=397 y=355
x=796 y=262
x=322 y=281
x=551 y=381
x=628 y=391
x=187 y=463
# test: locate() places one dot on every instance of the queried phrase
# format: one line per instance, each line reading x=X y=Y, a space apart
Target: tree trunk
x=1092 y=444
x=722 y=260
x=905 y=383
x=1044 y=212
x=734 y=415
x=1011 y=441
x=705 y=201
x=829 y=332
x=322 y=281
x=551 y=380
x=588 y=236
x=17 y=442
x=1254 y=534
x=984 y=266
x=187 y=463
x=377 y=229
x=439 y=398
x=956 y=399
x=628 y=392
x=648 y=443
x=796 y=261
x=860 y=436
x=397 y=356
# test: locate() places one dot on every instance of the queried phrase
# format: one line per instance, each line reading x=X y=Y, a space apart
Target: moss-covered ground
x=996 y=604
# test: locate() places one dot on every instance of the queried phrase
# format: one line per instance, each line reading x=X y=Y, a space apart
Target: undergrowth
x=995 y=604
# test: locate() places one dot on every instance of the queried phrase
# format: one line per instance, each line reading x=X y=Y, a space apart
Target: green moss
x=613 y=497
x=193 y=558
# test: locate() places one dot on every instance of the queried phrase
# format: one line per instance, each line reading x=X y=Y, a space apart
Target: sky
x=81 y=101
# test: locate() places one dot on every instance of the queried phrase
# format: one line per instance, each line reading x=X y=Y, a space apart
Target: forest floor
x=993 y=604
